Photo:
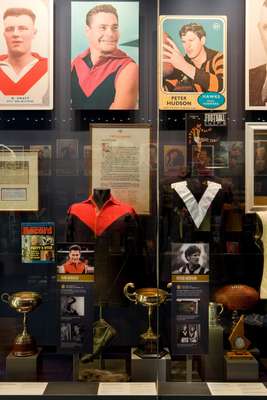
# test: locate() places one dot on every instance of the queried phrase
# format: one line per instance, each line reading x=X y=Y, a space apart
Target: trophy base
x=143 y=354
x=24 y=346
x=150 y=349
x=239 y=355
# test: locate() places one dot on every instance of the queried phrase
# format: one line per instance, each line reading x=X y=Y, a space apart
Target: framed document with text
x=19 y=181
x=256 y=167
x=26 y=55
x=121 y=162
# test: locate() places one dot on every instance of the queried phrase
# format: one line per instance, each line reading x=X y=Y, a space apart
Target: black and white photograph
x=187 y=306
x=188 y=333
x=71 y=333
x=72 y=306
x=190 y=258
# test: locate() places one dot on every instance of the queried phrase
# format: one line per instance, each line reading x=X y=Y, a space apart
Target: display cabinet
x=133 y=204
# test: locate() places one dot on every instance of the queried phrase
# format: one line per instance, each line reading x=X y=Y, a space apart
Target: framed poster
x=256 y=167
x=26 y=55
x=192 y=62
x=19 y=181
x=121 y=162
x=103 y=36
x=256 y=47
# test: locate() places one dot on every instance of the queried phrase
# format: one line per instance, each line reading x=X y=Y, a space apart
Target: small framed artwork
x=19 y=181
x=256 y=167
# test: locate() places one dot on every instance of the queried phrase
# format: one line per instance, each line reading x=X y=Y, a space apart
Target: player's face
x=262 y=25
x=19 y=33
x=74 y=256
x=103 y=32
x=194 y=258
x=192 y=44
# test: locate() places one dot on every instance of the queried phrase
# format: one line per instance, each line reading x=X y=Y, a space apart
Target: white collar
x=197 y=210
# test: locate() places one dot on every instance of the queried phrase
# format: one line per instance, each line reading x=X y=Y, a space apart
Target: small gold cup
x=150 y=298
x=23 y=302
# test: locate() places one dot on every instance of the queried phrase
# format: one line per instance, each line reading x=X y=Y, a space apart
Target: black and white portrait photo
x=190 y=258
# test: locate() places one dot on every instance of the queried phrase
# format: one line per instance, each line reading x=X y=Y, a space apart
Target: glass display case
x=133 y=202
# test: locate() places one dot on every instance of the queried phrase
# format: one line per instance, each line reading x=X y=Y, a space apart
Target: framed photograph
x=256 y=167
x=113 y=82
x=67 y=157
x=174 y=159
x=185 y=81
x=19 y=181
x=121 y=162
x=27 y=84
x=256 y=56
x=44 y=158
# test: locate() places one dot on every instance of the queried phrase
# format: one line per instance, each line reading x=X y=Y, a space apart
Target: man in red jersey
x=74 y=265
x=103 y=76
x=22 y=72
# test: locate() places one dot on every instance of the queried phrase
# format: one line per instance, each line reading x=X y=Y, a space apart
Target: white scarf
x=197 y=210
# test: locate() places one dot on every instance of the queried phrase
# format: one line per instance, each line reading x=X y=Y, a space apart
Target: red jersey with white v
x=31 y=83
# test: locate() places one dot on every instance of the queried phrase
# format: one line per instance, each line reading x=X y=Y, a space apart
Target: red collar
x=98 y=220
x=110 y=201
x=117 y=54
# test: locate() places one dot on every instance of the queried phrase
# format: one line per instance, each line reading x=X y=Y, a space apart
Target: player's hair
x=17 y=12
x=191 y=250
x=75 y=247
x=193 y=27
x=106 y=8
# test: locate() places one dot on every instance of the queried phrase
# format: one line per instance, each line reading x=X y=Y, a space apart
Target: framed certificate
x=19 y=181
x=121 y=162
x=256 y=167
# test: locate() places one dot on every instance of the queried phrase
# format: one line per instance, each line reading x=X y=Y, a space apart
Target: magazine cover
x=38 y=242
x=205 y=149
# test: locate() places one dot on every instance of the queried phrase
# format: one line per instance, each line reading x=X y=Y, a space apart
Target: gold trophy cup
x=150 y=298
x=23 y=302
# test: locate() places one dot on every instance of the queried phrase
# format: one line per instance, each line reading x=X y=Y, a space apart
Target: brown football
x=167 y=67
x=236 y=297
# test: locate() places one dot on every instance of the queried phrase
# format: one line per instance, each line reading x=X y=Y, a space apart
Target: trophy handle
x=130 y=296
x=5 y=297
x=221 y=308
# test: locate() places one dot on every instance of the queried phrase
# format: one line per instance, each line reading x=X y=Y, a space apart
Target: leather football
x=167 y=68
x=236 y=297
